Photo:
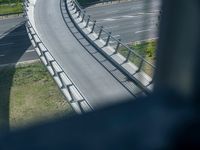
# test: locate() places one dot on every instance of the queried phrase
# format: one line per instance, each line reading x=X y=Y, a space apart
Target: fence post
x=83 y=16
x=108 y=39
x=100 y=32
x=128 y=55
x=76 y=9
x=88 y=20
x=117 y=47
x=140 y=66
x=93 y=26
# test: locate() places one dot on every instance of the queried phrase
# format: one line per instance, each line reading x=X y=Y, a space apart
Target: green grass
x=28 y=96
x=146 y=50
x=10 y=8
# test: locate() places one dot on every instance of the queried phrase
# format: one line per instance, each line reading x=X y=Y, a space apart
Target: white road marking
x=117 y=18
x=29 y=51
x=146 y=13
x=128 y=16
x=142 y=31
x=111 y=27
x=109 y=19
x=2 y=55
x=149 y=22
x=6 y=44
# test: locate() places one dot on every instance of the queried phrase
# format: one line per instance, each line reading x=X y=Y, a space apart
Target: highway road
x=15 y=45
x=131 y=20
x=96 y=83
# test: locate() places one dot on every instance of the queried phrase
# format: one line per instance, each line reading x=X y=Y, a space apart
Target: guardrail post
x=93 y=26
x=108 y=39
x=128 y=55
x=100 y=31
x=76 y=9
x=140 y=65
x=117 y=47
x=88 y=20
x=83 y=16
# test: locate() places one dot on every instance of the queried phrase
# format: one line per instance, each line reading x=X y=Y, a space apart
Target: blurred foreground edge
x=167 y=119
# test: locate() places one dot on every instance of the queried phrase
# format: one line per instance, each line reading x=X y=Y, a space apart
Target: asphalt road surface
x=15 y=45
x=95 y=82
x=130 y=21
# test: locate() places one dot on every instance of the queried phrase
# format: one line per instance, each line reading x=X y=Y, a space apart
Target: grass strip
x=28 y=95
x=144 y=49
x=10 y=9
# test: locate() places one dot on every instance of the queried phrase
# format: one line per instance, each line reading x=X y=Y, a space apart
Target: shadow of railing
x=13 y=45
x=87 y=3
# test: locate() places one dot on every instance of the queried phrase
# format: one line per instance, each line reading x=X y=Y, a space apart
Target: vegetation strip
x=146 y=50
x=28 y=96
x=10 y=7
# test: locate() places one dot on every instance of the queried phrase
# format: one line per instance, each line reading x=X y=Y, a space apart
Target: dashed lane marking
x=141 y=31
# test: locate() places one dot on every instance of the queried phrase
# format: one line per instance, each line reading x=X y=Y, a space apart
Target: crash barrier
x=64 y=82
x=130 y=62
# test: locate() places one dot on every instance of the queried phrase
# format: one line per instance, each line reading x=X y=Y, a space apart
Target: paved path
x=15 y=45
x=94 y=81
x=131 y=21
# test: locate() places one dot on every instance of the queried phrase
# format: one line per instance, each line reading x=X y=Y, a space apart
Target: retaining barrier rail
x=66 y=85
x=143 y=66
x=121 y=45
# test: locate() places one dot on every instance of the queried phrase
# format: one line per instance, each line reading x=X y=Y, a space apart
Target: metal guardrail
x=66 y=85
x=128 y=53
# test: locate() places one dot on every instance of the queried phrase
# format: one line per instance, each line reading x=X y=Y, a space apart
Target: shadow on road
x=12 y=46
x=88 y=3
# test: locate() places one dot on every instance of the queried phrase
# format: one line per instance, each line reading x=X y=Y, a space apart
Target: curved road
x=97 y=85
